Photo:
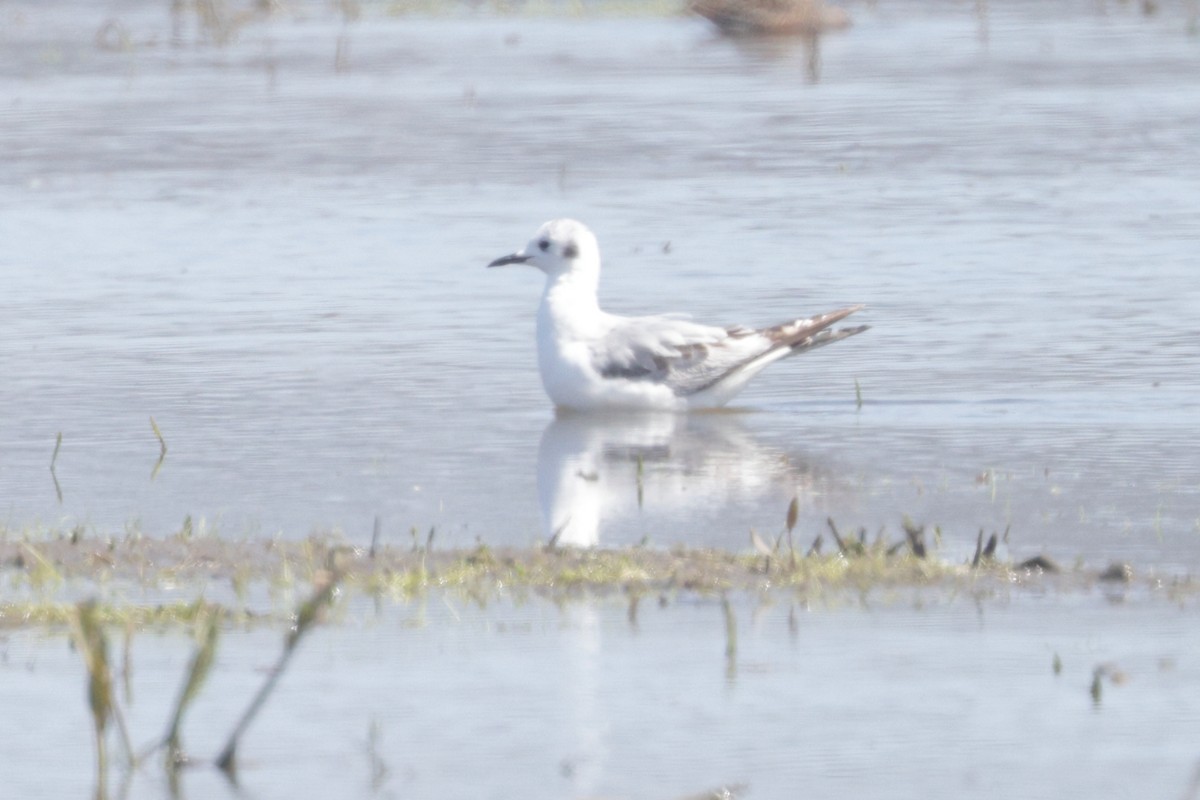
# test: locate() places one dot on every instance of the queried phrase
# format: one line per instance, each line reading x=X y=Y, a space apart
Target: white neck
x=571 y=296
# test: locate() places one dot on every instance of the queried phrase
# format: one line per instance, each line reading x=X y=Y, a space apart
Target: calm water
x=275 y=248
x=279 y=256
x=532 y=701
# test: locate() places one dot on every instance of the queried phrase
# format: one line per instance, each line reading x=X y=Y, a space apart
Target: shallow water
x=277 y=252
x=536 y=701
x=275 y=248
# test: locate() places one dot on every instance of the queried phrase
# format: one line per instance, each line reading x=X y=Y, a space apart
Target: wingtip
x=837 y=316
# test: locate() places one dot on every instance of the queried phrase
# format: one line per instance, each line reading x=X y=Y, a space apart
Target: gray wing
x=675 y=352
x=690 y=358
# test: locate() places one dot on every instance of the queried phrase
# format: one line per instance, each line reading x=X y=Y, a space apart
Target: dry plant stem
x=793 y=514
x=92 y=645
x=162 y=449
x=162 y=443
x=53 y=461
x=837 y=537
x=375 y=532
x=197 y=673
x=305 y=619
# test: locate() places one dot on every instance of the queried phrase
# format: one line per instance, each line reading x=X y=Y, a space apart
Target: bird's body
x=590 y=359
x=771 y=17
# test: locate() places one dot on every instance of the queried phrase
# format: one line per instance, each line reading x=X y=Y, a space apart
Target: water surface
x=275 y=247
x=534 y=701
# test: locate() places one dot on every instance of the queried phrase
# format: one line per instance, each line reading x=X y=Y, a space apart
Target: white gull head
x=560 y=246
x=590 y=359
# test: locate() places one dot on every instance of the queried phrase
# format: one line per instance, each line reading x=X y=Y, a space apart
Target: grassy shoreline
x=103 y=593
x=46 y=575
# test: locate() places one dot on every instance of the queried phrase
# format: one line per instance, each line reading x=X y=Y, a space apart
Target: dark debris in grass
x=46 y=563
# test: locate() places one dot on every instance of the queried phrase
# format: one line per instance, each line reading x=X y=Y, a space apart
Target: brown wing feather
x=798 y=336
x=805 y=334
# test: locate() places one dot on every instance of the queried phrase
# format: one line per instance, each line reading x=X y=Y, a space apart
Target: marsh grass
x=40 y=571
x=47 y=566
x=88 y=622
x=88 y=635
x=91 y=643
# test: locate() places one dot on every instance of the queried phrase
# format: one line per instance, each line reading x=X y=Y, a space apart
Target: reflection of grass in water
x=730 y=638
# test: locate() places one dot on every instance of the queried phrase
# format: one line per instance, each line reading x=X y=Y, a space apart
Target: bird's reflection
x=592 y=467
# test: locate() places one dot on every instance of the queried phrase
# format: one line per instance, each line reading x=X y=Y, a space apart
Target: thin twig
x=306 y=616
x=53 y=461
x=837 y=537
x=375 y=538
x=162 y=449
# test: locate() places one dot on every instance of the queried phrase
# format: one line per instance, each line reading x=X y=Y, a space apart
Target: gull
x=590 y=359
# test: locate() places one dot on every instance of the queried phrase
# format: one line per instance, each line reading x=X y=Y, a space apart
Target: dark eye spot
x=544 y=245
x=570 y=251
